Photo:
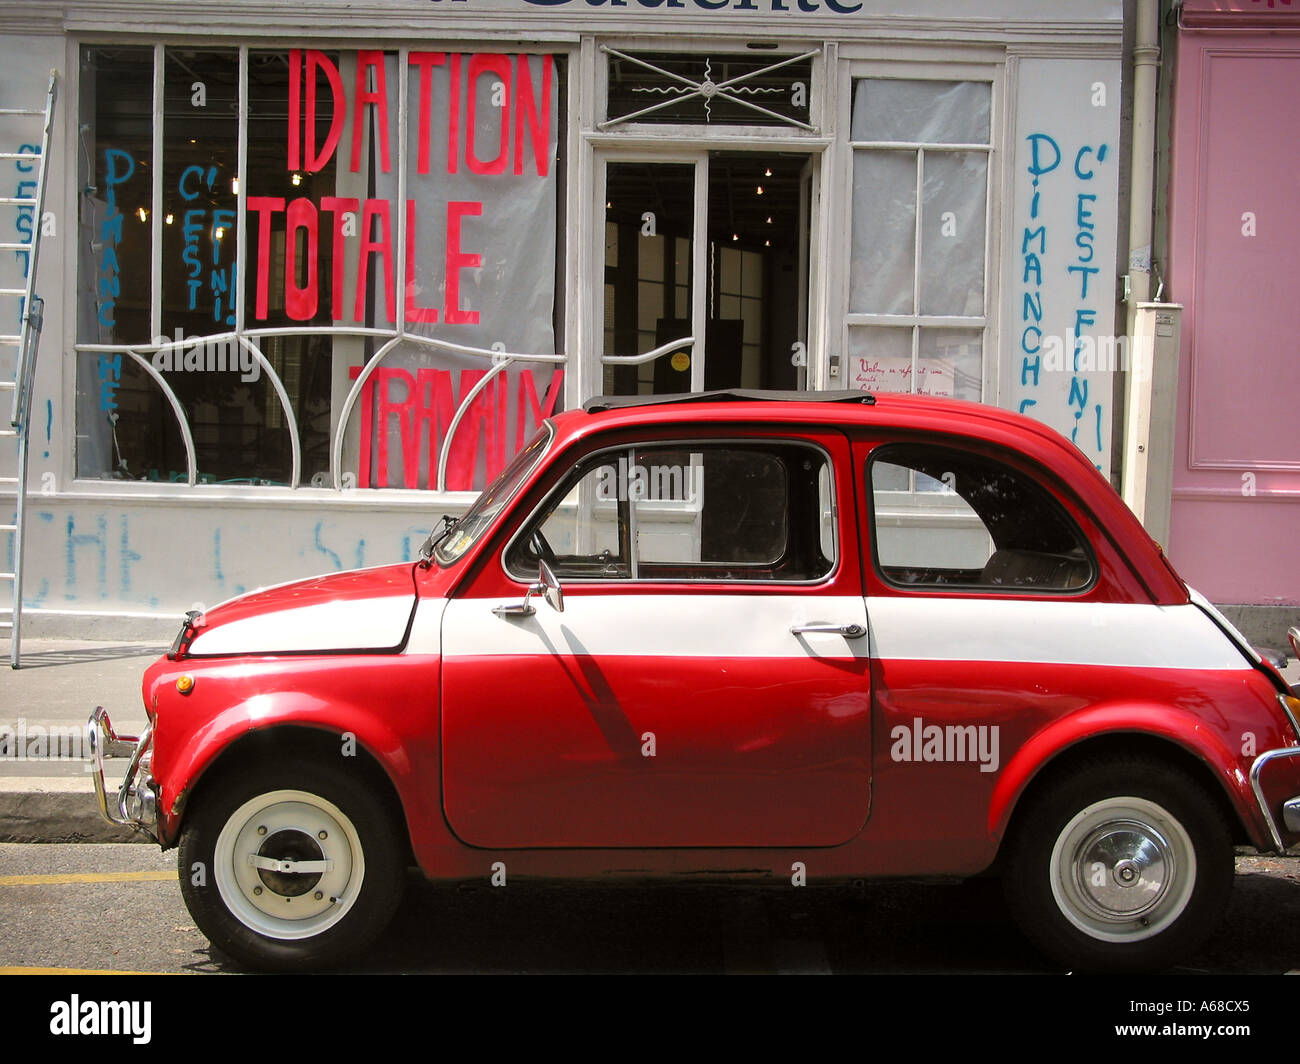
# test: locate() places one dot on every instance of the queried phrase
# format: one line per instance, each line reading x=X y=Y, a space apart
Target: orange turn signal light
x=185 y=684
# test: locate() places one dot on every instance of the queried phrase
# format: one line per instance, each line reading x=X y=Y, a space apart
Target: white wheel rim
x=1123 y=870
x=292 y=825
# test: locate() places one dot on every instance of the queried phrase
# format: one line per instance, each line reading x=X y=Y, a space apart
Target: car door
x=707 y=681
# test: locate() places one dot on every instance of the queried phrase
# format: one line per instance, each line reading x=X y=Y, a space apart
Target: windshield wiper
x=435 y=537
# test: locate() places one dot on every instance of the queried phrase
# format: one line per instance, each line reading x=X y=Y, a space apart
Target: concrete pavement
x=46 y=792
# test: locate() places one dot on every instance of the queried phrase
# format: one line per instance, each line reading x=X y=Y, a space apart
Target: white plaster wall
x=106 y=555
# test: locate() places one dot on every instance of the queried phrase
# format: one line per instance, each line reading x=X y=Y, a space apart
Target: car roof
x=895 y=410
x=623 y=402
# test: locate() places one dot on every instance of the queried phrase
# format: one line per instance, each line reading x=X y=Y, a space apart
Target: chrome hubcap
x=1123 y=869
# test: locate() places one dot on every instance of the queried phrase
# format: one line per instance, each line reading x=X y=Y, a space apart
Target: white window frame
x=993 y=73
x=685 y=143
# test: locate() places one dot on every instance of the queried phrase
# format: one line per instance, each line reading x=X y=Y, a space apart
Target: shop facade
x=312 y=278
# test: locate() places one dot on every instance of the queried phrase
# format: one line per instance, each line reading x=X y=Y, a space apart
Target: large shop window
x=222 y=330
x=917 y=289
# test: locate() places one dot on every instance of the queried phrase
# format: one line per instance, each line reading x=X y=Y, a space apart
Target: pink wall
x=1235 y=265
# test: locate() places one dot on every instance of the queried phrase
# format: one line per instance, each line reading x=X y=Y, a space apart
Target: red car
x=831 y=636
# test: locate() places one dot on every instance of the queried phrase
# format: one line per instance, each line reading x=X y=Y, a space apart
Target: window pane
x=115 y=207
x=200 y=167
x=882 y=267
x=648 y=205
x=708 y=512
x=482 y=187
x=650 y=258
x=880 y=359
x=730 y=270
x=125 y=428
x=293 y=284
x=743 y=494
x=952 y=233
x=752 y=282
x=921 y=112
x=925 y=533
x=668 y=78
x=116 y=201
x=950 y=362
x=985 y=525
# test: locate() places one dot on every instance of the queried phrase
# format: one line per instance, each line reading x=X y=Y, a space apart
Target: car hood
x=367 y=609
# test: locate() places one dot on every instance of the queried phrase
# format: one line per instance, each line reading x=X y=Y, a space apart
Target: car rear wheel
x=1122 y=865
x=292 y=867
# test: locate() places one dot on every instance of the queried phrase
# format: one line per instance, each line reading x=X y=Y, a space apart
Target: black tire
x=1123 y=865
x=304 y=812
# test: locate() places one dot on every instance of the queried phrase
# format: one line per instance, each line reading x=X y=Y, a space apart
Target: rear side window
x=944 y=517
x=689 y=511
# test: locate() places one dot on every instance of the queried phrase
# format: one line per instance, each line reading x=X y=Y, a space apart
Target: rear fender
x=1182 y=729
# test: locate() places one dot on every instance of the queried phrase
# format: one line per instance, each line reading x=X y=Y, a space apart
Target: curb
x=50 y=796
x=54 y=809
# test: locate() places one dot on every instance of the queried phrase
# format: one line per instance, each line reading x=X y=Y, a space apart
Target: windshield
x=465 y=532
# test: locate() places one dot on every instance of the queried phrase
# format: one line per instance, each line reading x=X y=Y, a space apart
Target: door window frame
x=585 y=462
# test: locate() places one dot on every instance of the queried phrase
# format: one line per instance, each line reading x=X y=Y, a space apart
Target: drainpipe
x=1151 y=383
x=1146 y=62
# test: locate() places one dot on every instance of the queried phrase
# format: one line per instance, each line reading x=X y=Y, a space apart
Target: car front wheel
x=1122 y=865
x=291 y=867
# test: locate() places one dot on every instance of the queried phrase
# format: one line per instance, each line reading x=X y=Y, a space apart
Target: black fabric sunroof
x=747 y=395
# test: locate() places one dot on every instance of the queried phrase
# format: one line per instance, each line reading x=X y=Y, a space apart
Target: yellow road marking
x=86 y=877
x=71 y=971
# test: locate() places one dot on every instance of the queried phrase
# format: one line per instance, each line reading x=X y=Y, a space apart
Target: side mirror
x=548 y=586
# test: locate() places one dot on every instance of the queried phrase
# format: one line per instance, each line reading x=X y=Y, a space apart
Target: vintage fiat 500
x=836 y=634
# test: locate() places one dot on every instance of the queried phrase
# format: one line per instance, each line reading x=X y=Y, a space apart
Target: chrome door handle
x=848 y=631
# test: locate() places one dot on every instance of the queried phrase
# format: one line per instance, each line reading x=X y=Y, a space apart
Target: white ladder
x=26 y=341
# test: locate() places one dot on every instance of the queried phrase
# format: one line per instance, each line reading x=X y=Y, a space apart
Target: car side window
x=945 y=517
x=687 y=512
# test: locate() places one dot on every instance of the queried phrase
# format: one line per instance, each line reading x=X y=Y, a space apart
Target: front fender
x=1178 y=727
x=384 y=706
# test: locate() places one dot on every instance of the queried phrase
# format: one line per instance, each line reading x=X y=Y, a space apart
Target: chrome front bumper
x=136 y=802
x=1291 y=806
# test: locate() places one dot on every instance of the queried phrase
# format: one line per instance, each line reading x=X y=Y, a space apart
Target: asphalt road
x=105 y=907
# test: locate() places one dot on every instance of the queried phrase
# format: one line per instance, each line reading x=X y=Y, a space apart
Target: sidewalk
x=45 y=704
x=51 y=798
